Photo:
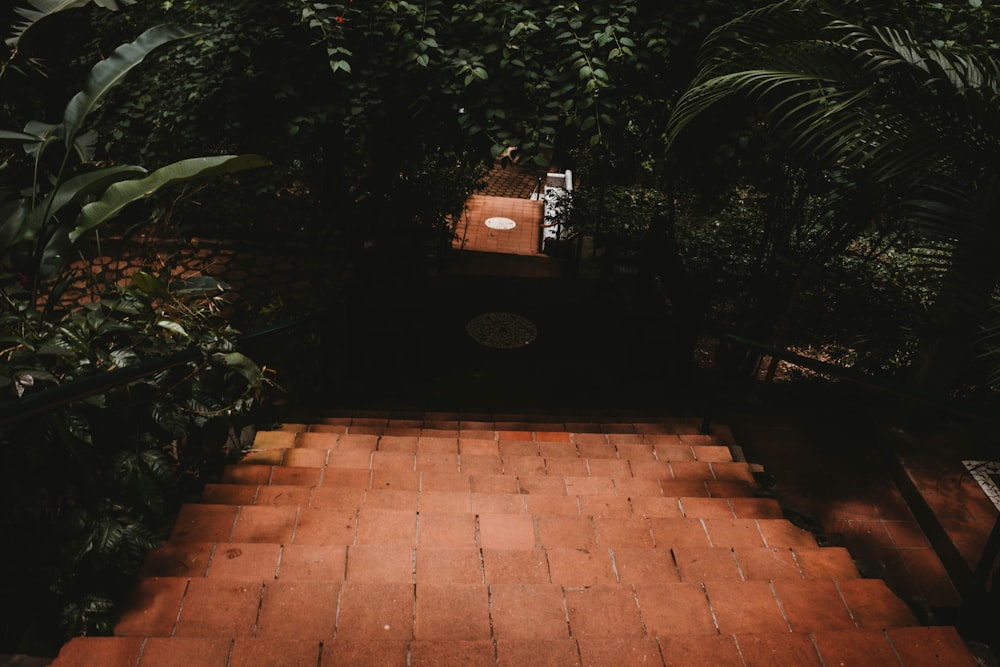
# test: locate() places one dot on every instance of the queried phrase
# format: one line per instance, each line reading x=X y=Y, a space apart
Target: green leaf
x=123 y=193
x=149 y=284
x=158 y=463
x=70 y=191
x=12 y=217
x=7 y=135
x=45 y=135
x=340 y=66
x=46 y=8
x=111 y=71
x=106 y=538
x=175 y=327
x=200 y=285
x=242 y=365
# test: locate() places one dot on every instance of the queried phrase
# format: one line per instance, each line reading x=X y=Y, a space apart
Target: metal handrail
x=536 y=192
x=18 y=409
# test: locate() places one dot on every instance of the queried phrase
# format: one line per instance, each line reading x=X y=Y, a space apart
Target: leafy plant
x=35 y=240
x=98 y=478
x=31 y=16
x=905 y=125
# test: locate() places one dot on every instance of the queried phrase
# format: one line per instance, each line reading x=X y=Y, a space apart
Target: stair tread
x=862 y=647
x=435 y=539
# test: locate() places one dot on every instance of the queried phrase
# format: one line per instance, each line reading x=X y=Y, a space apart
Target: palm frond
x=41 y=9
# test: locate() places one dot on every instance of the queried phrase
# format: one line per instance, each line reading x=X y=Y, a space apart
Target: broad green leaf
x=159 y=464
x=175 y=327
x=73 y=190
x=149 y=284
x=45 y=135
x=200 y=285
x=56 y=253
x=84 y=145
x=12 y=217
x=42 y=9
x=123 y=193
x=108 y=73
x=7 y=135
x=242 y=365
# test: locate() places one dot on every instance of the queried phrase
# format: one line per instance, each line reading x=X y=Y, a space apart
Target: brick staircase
x=441 y=541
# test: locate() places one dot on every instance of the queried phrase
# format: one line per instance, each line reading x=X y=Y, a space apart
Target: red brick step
x=443 y=540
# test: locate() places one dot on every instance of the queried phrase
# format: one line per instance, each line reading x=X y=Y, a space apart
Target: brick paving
x=435 y=541
x=508 y=179
x=473 y=233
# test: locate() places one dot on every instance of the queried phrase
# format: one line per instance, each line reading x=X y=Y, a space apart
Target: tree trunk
x=661 y=257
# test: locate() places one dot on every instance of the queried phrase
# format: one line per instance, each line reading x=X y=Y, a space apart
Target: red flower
x=340 y=19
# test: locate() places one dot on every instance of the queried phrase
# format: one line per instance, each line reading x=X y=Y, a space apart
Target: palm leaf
x=45 y=8
x=846 y=98
x=42 y=9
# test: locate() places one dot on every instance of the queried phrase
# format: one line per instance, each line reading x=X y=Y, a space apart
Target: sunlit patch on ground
x=987 y=474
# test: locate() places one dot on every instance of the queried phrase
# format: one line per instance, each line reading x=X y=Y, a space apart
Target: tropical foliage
x=829 y=171
x=98 y=474
x=884 y=118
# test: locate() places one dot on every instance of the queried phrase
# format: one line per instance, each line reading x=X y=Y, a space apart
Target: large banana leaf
x=72 y=190
x=12 y=215
x=7 y=135
x=108 y=73
x=123 y=193
x=45 y=8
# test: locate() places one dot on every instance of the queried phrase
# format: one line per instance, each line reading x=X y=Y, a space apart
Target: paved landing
x=522 y=238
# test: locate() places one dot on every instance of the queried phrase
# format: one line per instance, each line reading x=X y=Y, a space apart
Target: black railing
x=539 y=190
x=974 y=583
x=41 y=402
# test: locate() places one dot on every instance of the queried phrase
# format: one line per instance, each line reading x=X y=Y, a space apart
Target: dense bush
x=97 y=480
x=98 y=465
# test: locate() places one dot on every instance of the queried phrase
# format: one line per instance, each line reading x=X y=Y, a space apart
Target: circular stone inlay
x=501 y=330
x=500 y=223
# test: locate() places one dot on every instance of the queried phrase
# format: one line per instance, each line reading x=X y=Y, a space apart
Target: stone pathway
x=246 y=268
x=442 y=540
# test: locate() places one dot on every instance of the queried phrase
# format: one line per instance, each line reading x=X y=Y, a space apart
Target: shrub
x=98 y=466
